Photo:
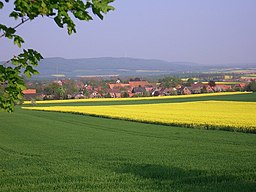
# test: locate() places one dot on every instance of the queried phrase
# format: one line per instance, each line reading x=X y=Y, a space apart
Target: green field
x=50 y=151
x=250 y=97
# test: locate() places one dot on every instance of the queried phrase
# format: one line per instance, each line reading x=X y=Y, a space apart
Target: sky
x=200 y=31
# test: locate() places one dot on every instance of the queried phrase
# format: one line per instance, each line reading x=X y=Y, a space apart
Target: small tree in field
x=63 y=13
x=251 y=86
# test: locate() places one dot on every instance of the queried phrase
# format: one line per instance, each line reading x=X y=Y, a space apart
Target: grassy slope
x=47 y=151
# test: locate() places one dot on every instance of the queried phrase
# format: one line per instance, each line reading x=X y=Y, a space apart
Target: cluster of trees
x=169 y=82
x=61 y=91
x=251 y=86
x=67 y=88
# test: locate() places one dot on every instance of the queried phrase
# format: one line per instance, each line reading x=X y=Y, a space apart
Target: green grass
x=48 y=151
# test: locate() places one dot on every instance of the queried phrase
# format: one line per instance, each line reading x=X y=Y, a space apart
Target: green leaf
x=18 y=40
x=21 y=86
x=3 y=27
x=1 y=5
x=27 y=73
x=20 y=96
x=9 y=32
x=14 y=14
x=35 y=72
x=58 y=21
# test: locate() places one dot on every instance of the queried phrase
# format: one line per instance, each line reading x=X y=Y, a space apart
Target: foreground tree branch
x=62 y=12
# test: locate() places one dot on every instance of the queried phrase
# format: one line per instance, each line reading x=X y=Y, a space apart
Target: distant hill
x=123 y=66
x=113 y=66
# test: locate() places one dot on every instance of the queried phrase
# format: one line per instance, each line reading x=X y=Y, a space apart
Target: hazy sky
x=202 y=31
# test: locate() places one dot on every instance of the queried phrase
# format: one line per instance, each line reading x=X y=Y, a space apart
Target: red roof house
x=29 y=91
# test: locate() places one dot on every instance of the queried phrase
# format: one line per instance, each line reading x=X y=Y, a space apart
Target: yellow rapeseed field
x=138 y=98
x=205 y=114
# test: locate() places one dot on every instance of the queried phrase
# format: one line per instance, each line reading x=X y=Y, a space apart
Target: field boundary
x=136 y=98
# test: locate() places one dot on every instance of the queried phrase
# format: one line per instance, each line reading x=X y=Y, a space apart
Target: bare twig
x=15 y=27
x=2 y=35
x=6 y=62
x=22 y=22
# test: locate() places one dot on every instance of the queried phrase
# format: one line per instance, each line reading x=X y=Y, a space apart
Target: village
x=97 y=87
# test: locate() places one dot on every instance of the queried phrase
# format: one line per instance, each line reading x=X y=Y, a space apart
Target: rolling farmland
x=211 y=114
x=52 y=151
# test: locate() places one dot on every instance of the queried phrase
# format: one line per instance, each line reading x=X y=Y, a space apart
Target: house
x=207 y=89
x=138 y=90
x=95 y=94
x=48 y=97
x=239 y=87
x=80 y=85
x=89 y=88
x=60 y=83
x=149 y=88
x=115 y=93
x=131 y=94
x=196 y=88
x=29 y=91
x=98 y=89
x=29 y=94
x=168 y=91
x=117 y=85
x=221 y=88
x=79 y=96
x=183 y=91
x=156 y=92
x=138 y=83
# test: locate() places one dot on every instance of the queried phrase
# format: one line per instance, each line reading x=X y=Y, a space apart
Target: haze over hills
x=122 y=66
